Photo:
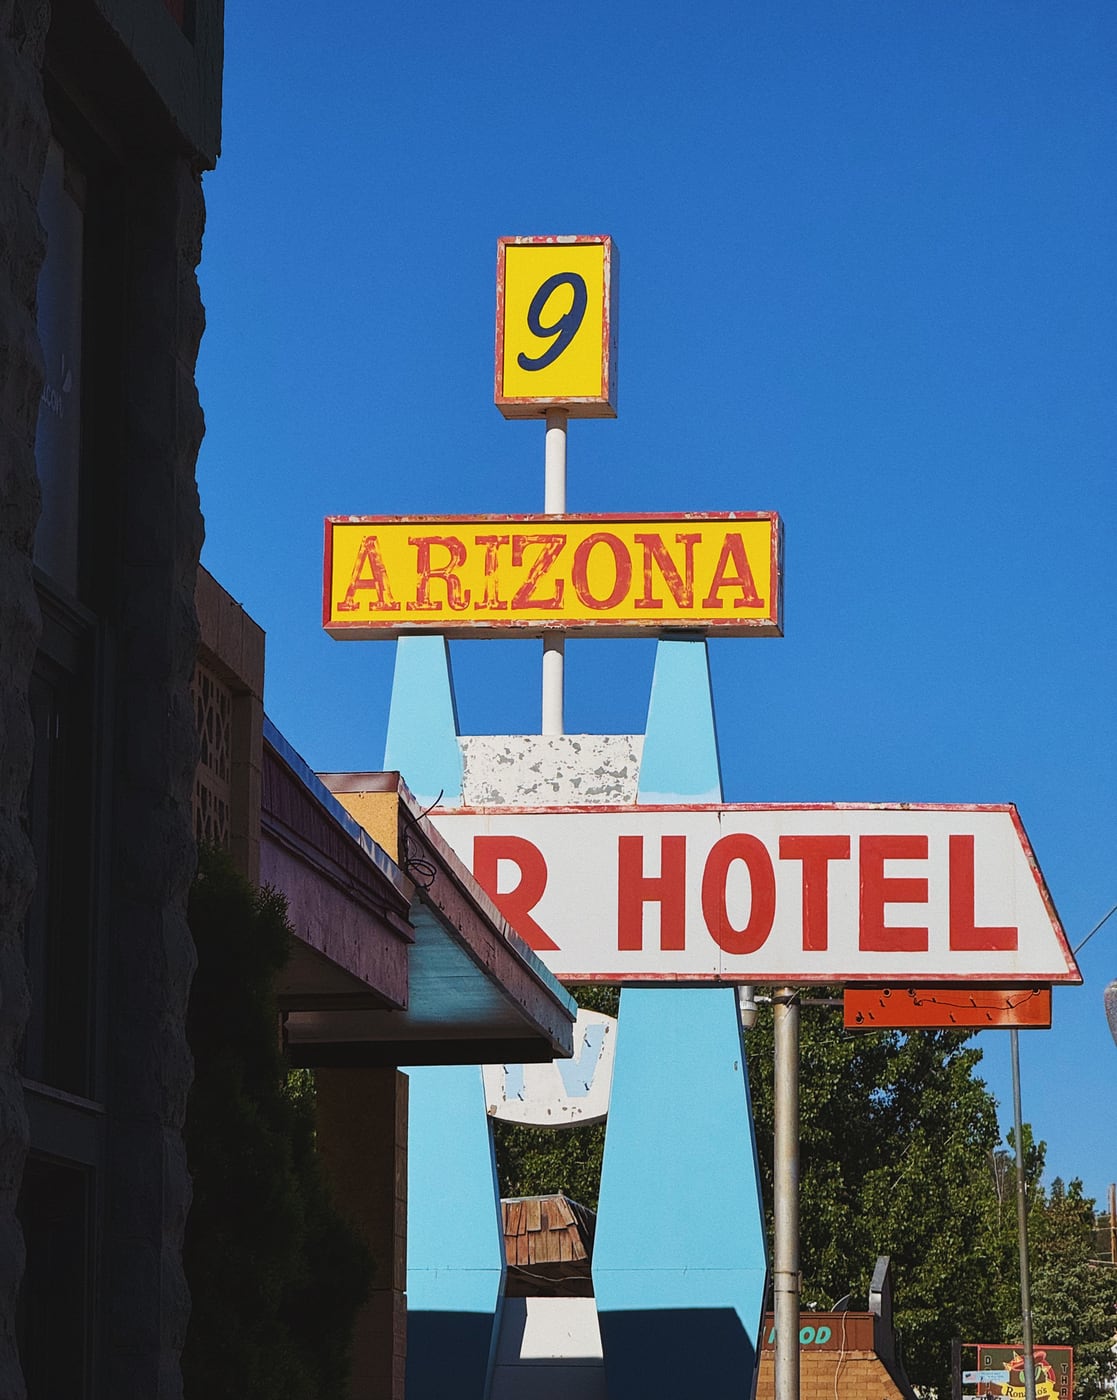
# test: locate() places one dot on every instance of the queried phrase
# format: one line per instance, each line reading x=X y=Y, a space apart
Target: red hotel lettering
x=457 y=598
x=622 y=571
x=965 y=935
x=515 y=904
x=733 y=552
x=816 y=853
x=491 y=598
x=877 y=890
x=681 y=586
x=551 y=548
x=635 y=889
x=762 y=885
x=369 y=556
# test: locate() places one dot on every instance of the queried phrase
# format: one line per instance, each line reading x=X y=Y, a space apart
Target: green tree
x=896 y=1132
x=276 y=1276
x=1074 y=1298
x=1002 y=1242
x=899 y=1155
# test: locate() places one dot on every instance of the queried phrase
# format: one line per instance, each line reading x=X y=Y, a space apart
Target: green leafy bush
x=276 y=1275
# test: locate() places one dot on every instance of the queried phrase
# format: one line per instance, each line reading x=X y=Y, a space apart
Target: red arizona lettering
x=733 y=552
x=491 y=598
x=681 y=585
x=457 y=597
x=551 y=547
x=377 y=582
x=622 y=571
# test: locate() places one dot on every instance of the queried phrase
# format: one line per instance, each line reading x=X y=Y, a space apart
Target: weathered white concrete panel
x=549 y=1349
x=548 y=770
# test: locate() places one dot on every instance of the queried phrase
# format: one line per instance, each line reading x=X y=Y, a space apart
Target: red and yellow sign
x=470 y=576
x=1053 y=1368
x=556 y=326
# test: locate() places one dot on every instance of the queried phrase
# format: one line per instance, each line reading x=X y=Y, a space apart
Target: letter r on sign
x=515 y=904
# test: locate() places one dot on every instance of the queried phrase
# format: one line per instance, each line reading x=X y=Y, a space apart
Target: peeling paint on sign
x=529 y=770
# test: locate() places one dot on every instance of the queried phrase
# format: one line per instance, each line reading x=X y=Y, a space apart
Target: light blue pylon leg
x=422 y=743
x=455 y=1242
x=680 y=1260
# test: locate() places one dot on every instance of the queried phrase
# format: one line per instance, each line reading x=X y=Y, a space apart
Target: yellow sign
x=470 y=576
x=556 y=326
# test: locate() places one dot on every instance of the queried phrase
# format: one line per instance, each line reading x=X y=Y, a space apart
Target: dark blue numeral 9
x=564 y=329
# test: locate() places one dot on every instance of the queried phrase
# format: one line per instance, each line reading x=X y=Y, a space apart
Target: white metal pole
x=785 y=1008
x=554 y=503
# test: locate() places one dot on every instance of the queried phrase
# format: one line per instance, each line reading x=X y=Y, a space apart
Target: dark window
x=59 y=926
x=58 y=439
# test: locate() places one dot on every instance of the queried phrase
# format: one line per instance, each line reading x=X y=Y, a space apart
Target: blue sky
x=867 y=281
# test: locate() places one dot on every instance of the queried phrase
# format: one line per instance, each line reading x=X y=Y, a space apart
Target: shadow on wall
x=677 y=1354
x=448 y=1354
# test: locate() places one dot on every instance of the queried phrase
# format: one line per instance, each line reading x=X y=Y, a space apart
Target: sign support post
x=554 y=503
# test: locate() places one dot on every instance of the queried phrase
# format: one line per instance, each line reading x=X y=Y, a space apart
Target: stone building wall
x=148 y=1063
x=24 y=131
x=147 y=641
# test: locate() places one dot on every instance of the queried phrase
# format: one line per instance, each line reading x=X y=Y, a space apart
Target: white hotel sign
x=820 y=893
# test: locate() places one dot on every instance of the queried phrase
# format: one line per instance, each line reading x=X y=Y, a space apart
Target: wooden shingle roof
x=548 y=1243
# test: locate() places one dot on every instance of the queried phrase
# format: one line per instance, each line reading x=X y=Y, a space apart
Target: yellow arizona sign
x=470 y=576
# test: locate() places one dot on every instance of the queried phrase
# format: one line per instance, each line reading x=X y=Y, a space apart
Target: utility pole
x=785 y=1008
x=1022 y=1224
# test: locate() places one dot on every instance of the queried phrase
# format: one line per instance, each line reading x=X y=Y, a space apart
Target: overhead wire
x=1094 y=930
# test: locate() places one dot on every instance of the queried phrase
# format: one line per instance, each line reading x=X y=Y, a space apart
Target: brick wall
x=843 y=1365
x=362 y=1142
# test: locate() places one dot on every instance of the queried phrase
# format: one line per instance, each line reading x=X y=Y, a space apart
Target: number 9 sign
x=556 y=326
